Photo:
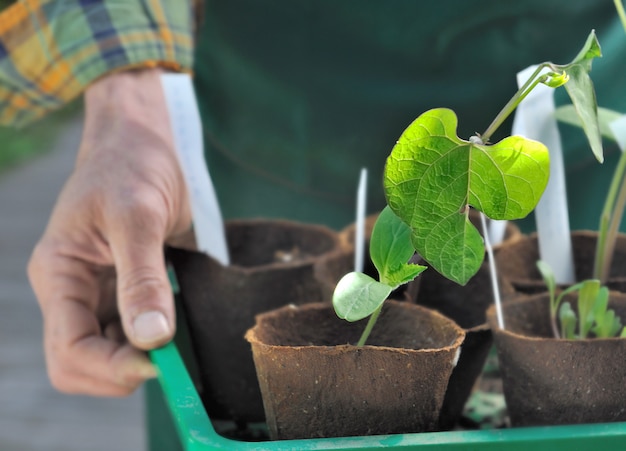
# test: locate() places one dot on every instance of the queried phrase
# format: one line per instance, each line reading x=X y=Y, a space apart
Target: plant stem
x=370 y=325
x=609 y=222
x=554 y=309
x=506 y=111
x=613 y=230
x=613 y=209
x=618 y=213
x=619 y=6
x=555 y=327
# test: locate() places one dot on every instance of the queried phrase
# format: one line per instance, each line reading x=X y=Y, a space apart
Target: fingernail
x=150 y=327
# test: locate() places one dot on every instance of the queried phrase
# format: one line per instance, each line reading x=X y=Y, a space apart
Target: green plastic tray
x=198 y=434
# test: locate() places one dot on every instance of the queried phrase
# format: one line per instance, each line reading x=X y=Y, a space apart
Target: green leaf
x=581 y=91
x=391 y=249
x=357 y=296
x=601 y=303
x=550 y=280
x=567 y=114
x=555 y=79
x=568 y=321
x=587 y=297
x=606 y=323
x=590 y=50
x=432 y=175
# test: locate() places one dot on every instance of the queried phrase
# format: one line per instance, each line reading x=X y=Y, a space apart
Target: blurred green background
x=19 y=145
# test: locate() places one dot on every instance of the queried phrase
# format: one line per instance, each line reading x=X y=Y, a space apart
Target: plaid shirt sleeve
x=50 y=50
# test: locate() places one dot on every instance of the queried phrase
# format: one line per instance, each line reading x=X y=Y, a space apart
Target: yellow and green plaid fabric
x=50 y=50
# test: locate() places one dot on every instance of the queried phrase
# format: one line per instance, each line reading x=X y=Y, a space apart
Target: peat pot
x=549 y=381
x=273 y=263
x=517 y=261
x=466 y=305
x=315 y=383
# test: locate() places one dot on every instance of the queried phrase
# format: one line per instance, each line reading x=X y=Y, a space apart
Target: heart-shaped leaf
x=432 y=176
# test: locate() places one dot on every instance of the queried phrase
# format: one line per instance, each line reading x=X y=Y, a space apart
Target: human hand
x=98 y=272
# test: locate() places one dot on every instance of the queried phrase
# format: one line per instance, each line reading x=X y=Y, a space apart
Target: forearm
x=132 y=100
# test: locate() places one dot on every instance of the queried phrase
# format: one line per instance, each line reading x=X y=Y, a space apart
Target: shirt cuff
x=51 y=50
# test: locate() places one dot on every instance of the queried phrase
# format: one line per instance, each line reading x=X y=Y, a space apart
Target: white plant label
x=187 y=129
x=534 y=119
x=493 y=273
x=359 y=232
x=618 y=127
x=497 y=230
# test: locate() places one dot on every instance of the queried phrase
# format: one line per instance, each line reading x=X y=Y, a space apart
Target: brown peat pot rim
x=456 y=342
x=314 y=385
x=320 y=232
x=516 y=260
x=537 y=298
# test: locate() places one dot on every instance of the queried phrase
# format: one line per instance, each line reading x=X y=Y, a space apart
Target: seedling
x=358 y=295
x=593 y=317
x=431 y=179
x=615 y=201
x=593 y=296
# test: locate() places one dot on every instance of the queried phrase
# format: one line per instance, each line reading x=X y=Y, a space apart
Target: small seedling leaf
x=602 y=302
x=550 y=280
x=391 y=249
x=587 y=297
x=568 y=321
x=432 y=176
x=357 y=296
x=606 y=323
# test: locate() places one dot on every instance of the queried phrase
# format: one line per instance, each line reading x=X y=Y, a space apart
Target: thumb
x=144 y=295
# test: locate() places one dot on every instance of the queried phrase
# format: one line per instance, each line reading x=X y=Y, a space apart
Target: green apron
x=298 y=96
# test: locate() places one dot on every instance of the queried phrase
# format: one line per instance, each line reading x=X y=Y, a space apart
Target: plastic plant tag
x=359 y=235
x=187 y=130
x=534 y=119
x=497 y=230
x=618 y=127
x=492 y=272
